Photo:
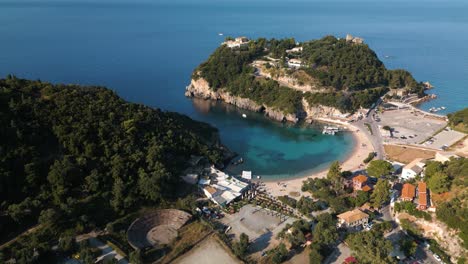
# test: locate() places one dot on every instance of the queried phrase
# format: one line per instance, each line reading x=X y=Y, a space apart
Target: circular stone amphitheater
x=156 y=228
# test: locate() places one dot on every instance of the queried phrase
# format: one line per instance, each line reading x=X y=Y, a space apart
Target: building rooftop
x=360 y=178
x=419 y=162
x=353 y=216
x=366 y=188
x=422 y=187
x=408 y=191
x=210 y=189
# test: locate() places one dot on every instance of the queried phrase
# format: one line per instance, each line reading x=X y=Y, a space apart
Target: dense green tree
x=75 y=157
x=361 y=198
x=334 y=175
x=439 y=182
x=240 y=248
x=379 y=168
x=135 y=257
x=279 y=254
x=459 y=120
x=381 y=193
x=408 y=246
x=370 y=247
x=315 y=257
x=325 y=231
x=432 y=167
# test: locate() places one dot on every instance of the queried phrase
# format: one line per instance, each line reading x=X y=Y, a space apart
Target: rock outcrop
x=200 y=88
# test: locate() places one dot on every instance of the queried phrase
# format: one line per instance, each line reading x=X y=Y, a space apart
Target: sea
x=146 y=50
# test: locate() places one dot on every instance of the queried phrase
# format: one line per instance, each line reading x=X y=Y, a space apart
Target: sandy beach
x=361 y=150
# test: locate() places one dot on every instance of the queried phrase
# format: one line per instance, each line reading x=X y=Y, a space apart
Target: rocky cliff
x=200 y=88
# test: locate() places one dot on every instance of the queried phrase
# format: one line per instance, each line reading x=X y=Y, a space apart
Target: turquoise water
x=146 y=50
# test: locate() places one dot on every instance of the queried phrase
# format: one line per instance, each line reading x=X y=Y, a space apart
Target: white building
x=294 y=63
x=412 y=169
x=237 y=42
x=247 y=175
x=223 y=189
x=294 y=50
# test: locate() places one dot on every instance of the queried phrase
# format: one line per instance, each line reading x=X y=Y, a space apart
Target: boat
x=330 y=130
x=244 y=115
x=239 y=161
x=258 y=177
x=442 y=107
x=220 y=34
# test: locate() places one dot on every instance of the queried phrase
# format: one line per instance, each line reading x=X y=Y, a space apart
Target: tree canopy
x=379 y=168
x=353 y=71
x=81 y=156
x=459 y=120
x=381 y=193
x=371 y=247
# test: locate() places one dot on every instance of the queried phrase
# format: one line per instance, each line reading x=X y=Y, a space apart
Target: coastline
x=352 y=162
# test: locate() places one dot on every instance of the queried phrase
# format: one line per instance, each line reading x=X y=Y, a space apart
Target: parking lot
x=444 y=139
x=408 y=126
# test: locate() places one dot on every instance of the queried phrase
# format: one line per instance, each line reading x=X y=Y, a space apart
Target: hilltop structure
x=237 y=42
x=357 y=40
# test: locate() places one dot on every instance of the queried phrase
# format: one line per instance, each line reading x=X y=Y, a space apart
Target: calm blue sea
x=146 y=50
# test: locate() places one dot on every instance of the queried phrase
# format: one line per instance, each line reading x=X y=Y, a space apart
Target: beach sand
x=353 y=162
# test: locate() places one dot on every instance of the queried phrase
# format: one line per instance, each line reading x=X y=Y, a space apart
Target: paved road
x=375 y=137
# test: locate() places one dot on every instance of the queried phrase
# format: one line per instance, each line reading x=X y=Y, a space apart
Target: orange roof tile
x=366 y=188
x=408 y=191
x=360 y=178
x=422 y=187
x=422 y=200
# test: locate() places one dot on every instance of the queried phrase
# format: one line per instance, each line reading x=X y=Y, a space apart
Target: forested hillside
x=354 y=71
x=459 y=120
x=80 y=156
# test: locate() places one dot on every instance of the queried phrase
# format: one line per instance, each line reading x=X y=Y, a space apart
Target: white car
x=437 y=258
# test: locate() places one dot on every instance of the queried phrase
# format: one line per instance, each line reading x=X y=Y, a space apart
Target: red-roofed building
x=359 y=182
x=422 y=196
x=366 y=188
x=408 y=192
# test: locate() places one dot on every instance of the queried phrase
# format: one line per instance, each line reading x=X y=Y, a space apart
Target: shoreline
x=352 y=162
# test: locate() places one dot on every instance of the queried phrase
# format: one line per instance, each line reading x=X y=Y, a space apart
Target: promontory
x=293 y=81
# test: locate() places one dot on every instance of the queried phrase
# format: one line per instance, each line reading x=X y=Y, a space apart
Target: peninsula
x=292 y=81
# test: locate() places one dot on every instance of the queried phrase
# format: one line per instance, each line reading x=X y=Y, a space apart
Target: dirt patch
x=442 y=197
x=294 y=194
x=210 y=251
x=406 y=154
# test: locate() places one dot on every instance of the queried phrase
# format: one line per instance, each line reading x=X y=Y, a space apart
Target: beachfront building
x=237 y=42
x=352 y=218
x=445 y=156
x=294 y=63
x=221 y=188
x=412 y=169
x=422 y=196
x=247 y=175
x=408 y=192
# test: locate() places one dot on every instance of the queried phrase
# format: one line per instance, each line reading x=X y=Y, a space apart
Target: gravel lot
x=209 y=251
